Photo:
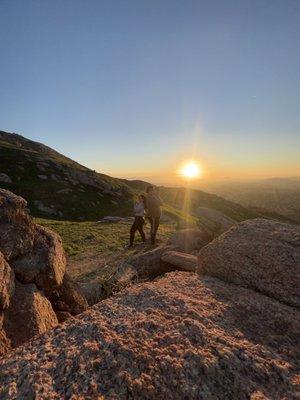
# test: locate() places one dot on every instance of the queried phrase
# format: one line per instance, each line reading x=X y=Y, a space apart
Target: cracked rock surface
x=180 y=337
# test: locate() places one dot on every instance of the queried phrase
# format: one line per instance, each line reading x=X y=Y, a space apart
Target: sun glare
x=190 y=170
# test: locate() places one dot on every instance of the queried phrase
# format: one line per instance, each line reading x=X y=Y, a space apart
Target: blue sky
x=132 y=88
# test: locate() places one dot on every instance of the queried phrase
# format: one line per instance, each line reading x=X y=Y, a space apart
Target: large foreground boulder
x=181 y=337
x=260 y=254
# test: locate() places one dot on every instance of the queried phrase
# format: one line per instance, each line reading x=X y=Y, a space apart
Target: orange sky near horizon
x=210 y=173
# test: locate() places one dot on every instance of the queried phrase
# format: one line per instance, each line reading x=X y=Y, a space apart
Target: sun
x=191 y=170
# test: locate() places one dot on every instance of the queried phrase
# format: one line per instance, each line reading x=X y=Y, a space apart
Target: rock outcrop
x=67 y=297
x=17 y=231
x=148 y=264
x=260 y=254
x=5 y=178
x=45 y=263
x=213 y=221
x=32 y=276
x=5 y=344
x=144 y=266
x=175 y=260
x=180 y=337
x=190 y=240
x=29 y=314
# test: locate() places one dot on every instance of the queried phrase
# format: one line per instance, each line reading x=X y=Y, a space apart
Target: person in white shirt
x=139 y=212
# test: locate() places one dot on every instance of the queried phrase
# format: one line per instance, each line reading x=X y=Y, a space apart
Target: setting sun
x=190 y=170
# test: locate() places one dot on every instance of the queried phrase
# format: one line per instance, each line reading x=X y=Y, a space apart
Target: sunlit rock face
x=260 y=254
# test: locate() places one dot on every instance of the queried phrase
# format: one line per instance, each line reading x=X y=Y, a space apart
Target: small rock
x=180 y=261
x=62 y=316
x=29 y=314
x=5 y=178
x=111 y=219
x=44 y=209
x=64 y=191
x=191 y=239
x=148 y=264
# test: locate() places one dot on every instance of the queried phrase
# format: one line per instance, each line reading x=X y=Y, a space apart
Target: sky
x=134 y=88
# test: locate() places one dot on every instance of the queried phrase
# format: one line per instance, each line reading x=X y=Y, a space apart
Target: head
x=142 y=198
x=150 y=190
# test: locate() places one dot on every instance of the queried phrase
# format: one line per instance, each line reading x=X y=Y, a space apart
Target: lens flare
x=190 y=170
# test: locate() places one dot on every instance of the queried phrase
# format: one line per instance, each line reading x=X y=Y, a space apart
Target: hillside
x=277 y=196
x=59 y=188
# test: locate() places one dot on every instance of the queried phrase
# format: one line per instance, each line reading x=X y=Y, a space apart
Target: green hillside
x=56 y=186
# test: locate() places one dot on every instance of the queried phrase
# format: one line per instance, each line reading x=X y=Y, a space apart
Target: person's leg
x=132 y=231
x=155 y=227
x=140 y=228
x=152 y=230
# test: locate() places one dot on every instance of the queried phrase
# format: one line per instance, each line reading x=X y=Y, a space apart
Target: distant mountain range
x=278 y=195
x=57 y=187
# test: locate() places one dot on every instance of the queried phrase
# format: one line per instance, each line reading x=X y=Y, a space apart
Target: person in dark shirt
x=153 y=208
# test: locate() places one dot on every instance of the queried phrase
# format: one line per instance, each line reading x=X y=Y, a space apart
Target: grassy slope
x=92 y=246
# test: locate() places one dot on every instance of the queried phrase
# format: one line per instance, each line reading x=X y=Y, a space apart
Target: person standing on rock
x=153 y=208
x=139 y=213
